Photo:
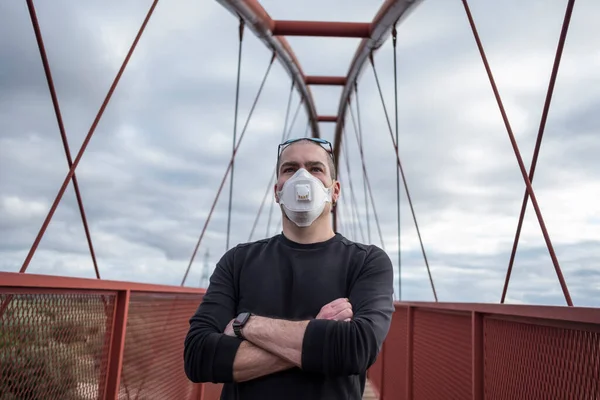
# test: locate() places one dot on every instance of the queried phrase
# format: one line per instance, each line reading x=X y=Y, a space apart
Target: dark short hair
x=330 y=163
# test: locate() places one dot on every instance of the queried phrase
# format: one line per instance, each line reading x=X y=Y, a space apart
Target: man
x=301 y=315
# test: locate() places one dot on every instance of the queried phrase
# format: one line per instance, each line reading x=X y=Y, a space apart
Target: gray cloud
x=156 y=160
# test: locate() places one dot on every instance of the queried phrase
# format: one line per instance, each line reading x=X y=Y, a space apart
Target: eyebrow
x=308 y=164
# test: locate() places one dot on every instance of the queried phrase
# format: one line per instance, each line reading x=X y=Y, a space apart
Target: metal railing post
x=117 y=346
x=409 y=350
x=477 y=354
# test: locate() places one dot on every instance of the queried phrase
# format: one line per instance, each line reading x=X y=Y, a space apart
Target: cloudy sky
x=154 y=165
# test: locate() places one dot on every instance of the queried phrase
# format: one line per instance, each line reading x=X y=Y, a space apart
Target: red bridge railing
x=490 y=351
x=71 y=338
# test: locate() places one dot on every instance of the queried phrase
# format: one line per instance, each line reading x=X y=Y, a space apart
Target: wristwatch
x=239 y=322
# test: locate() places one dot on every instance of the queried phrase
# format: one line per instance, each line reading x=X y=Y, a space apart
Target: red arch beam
x=270 y=32
x=389 y=14
x=262 y=25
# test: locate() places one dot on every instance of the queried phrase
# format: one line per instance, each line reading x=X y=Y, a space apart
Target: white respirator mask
x=303 y=198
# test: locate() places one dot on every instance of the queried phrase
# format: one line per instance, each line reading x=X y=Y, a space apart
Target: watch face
x=242 y=318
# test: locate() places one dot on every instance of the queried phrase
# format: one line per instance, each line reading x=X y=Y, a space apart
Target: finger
x=331 y=309
x=342 y=315
x=326 y=313
x=341 y=306
x=335 y=302
x=329 y=313
x=348 y=320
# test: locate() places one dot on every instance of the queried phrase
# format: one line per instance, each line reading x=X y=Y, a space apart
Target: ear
x=336 y=191
x=275 y=193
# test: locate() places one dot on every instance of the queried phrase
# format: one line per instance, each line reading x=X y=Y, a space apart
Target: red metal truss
x=322 y=28
x=271 y=32
x=325 y=80
x=482 y=350
x=327 y=118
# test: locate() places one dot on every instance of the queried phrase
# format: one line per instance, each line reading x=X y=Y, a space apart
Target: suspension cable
x=354 y=202
x=212 y=208
x=270 y=215
x=61 y=128
x=515 y=147
x=283 y=135
x=262 y=204
x=361 y=149
x=287 y=136
x=412 y=210
x=351 y=234
x=394 y=32
x=368 y=183
x=273 y=177
x=538 y=143
x=86 y=141
x=340 y=222
x=235 y=120
x=270 y=185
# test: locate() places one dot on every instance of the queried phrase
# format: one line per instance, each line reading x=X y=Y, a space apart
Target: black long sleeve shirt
x=278 y=278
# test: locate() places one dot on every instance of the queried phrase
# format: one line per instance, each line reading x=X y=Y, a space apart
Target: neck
x=319 y=231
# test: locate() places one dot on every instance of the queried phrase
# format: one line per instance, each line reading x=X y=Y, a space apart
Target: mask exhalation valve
x=303 y=192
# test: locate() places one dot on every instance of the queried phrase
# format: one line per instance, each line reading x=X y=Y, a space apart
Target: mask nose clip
x=303 y=192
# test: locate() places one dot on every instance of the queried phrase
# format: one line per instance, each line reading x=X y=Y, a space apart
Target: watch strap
x=237 y=329
x=239 y=323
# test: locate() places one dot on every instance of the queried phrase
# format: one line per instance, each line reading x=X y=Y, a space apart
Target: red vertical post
x=109 y=313
x=117 y=346
x=410 y=327
x=477 y=354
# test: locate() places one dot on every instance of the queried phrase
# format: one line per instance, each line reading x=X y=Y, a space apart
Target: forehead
x=304 y=151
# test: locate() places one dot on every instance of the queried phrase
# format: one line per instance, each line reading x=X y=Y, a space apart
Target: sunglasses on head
x=322 y=142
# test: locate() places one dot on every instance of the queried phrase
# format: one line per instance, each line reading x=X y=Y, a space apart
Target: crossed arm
x=331 y=344
x=274 y=345
x=252 y=362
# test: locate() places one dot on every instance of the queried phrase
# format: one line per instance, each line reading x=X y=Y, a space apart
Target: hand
x=229 y=329
x=338 y=310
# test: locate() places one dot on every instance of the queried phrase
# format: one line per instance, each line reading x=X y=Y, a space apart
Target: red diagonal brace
x=61 y=127
x=212 y=208
x=515 y=147
x=86 y=141
x=538 y=142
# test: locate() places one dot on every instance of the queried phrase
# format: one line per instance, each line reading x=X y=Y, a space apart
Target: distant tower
x=205 y=274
